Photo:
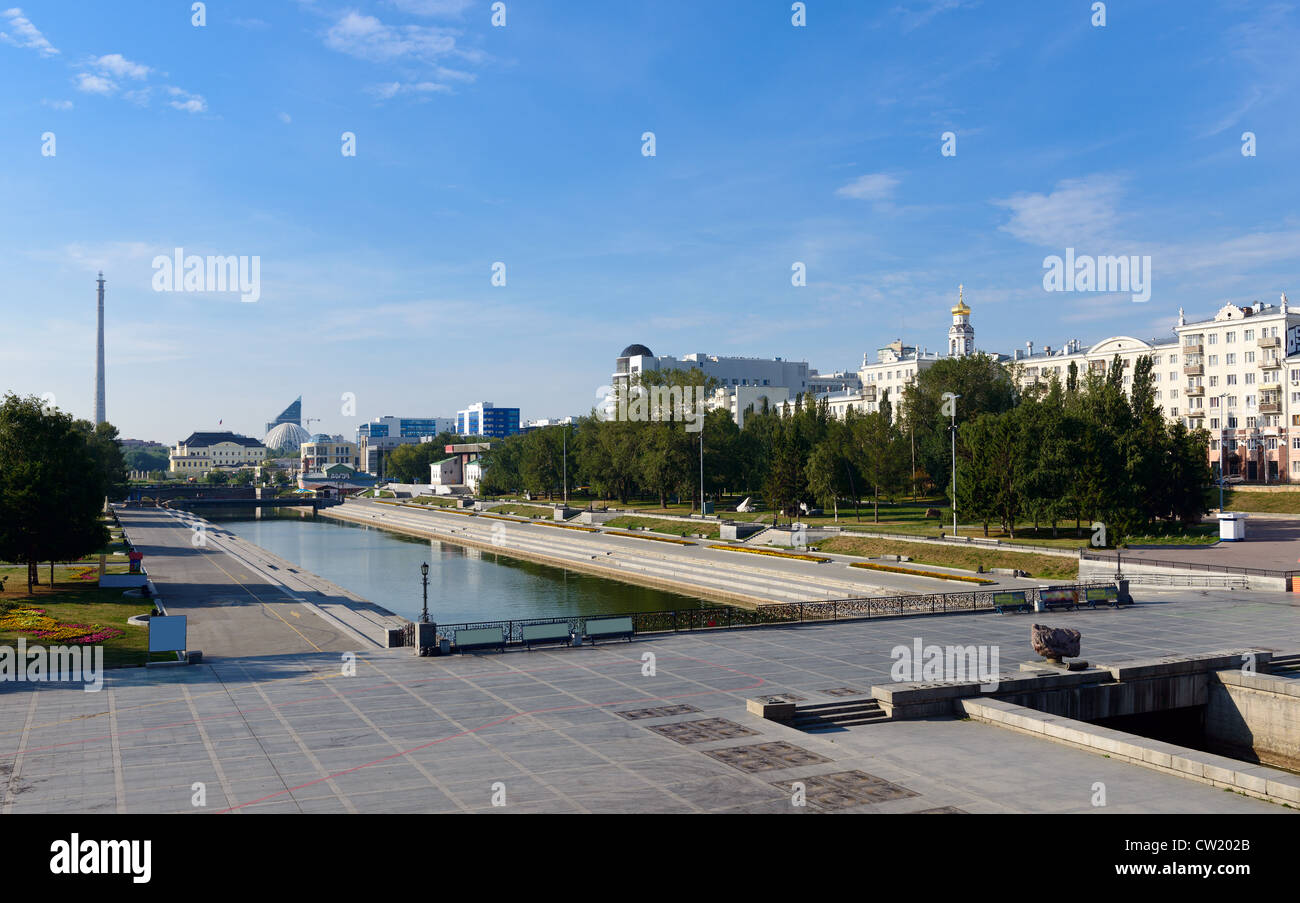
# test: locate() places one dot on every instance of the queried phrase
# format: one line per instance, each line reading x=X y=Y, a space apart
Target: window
x=1231 y=338
x=1214 y=339
x=1250 y=357
x=1250 y=334
x=1232 y=379
x=1250 y=379
x=1214 y=381
x=1230 y=359
x=1214 y=360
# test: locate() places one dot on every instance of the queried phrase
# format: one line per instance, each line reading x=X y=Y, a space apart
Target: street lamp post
x=424 y=578
x=954 y=463
x=565 y=438
x=701 y=470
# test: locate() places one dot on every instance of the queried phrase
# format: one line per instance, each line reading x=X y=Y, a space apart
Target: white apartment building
x=1231 y=375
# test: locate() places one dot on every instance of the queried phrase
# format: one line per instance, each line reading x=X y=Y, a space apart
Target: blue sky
x=522 y=144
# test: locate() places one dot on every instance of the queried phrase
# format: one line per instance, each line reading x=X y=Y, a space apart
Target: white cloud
x=95 y=84
x=57 y=104
x=875 y=186
x=285 y=118
x=1076 y=212
x=185 y=101
x=390 y=90
x=365 y=37
x=25 y=34
x=120 y=67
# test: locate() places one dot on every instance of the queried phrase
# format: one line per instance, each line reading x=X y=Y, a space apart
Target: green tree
x=52 y=487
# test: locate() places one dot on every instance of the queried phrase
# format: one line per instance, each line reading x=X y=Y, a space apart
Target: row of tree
x=1082 y=450
x=55 y=473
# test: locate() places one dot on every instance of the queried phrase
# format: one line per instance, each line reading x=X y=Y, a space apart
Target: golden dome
x=961 y=307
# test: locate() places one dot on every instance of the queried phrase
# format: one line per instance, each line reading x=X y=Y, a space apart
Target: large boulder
x=1054 y=643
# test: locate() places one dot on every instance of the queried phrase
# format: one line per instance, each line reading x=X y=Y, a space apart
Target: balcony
x=1270 y=407
x=1195 y=391
x=1196 y=412
x=1194 y=370
x=1193 y=349
x=1274 y=364
x=1271 y=342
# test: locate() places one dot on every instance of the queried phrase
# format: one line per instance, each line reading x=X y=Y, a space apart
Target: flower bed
x=773 y=553
x=915 y=573
x=36 y=623
x=676 y=542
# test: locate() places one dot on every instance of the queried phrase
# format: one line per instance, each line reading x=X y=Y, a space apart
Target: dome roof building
x=286 y=437
x=634 y=350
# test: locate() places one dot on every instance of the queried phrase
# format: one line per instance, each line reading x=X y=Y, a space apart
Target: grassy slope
x=1051 y=567
x=1262 y=502
x=673 y=527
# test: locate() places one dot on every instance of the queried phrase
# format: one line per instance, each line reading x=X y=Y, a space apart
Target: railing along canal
x=723 y=617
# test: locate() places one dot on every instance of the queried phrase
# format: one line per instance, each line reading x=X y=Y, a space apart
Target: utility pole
x=701 y=470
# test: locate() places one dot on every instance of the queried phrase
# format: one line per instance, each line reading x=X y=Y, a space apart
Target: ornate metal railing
x=723 y=617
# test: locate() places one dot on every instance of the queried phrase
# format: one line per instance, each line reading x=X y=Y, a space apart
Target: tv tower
x=99 y=358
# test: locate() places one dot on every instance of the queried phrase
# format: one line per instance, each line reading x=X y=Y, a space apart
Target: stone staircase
x=834 y=716
x=1288 y=665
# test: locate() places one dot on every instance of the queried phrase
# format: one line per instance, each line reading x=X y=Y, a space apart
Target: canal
x=464 y=584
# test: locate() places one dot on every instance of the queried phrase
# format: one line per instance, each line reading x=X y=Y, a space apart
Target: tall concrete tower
x=99 y=359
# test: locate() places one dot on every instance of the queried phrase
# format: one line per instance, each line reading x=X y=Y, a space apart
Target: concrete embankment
x=687 y=567
x=241 y=600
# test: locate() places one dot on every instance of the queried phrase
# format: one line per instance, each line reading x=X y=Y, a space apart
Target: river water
x=464 y=584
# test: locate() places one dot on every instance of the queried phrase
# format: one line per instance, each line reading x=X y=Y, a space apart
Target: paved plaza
x=591 y=729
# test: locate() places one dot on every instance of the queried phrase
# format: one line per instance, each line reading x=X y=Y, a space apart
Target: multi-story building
x=728 y=372
x=485 y=419
x=203 y=452
x=405 y=427
x=322 y=451
x=1229 y=374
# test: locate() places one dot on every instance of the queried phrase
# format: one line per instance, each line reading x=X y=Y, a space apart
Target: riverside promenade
x=591 y=729
x=240 y=600
x=691 y=567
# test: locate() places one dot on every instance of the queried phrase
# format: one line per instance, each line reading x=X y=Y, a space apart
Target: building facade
x=486 y=419
x=204 y=452
x=406 y=427
x=322 y=452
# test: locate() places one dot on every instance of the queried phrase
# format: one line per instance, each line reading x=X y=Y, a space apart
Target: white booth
x=1232 y=526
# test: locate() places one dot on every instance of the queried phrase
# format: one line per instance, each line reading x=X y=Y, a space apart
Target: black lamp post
x=424 y=578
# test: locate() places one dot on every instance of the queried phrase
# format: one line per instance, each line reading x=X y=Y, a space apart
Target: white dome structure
x=286 y=437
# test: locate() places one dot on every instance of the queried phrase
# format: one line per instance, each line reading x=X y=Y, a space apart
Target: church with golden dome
x=961 y=335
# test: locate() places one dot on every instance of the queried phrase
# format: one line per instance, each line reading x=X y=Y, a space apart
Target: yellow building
x=203 y=452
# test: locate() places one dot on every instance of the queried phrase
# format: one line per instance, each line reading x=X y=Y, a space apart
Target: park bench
x=480 y=638
x=1053 y=599
x=610 y=628
x=545 y=633
x=1005 y=602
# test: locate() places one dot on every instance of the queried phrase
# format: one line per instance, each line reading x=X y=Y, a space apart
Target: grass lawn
x=1262 y=502
x=673 y=527
x=522 y=510
x=434 y=500
x=74 y=602
x=1049 y=567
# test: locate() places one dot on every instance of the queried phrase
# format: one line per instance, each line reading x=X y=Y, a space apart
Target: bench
x=1053 y=599
x=610 y=628
x=1106 y=595
x=1005 y=602
x=481 y=638
x=546 y=633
